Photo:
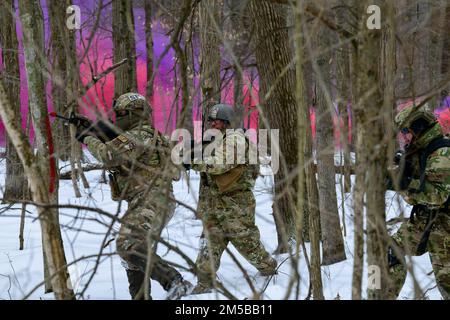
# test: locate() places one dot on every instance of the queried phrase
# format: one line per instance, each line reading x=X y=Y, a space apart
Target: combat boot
x=136 y=280
x=201 y=288
x=178 y=288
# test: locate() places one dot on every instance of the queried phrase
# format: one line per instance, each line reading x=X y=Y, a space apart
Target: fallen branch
x=66 y=175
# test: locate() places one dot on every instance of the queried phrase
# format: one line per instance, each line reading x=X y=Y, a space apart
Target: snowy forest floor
x=83 y=232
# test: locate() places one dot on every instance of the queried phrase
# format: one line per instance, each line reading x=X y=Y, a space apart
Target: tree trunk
x=358 y=221
x=445 y=54
x=65 y=86
x=332 y=240
x=40 y=171
x=238 y=37
x=434 y=49
x=190 y=71
x=57 y=19
x=370 y=99
x=209 y=15
x=277 y=96
x=124 y=47
x=307 y=179
x=343 y=76
x=149 y=47
x=16 y=187
x=52 y=241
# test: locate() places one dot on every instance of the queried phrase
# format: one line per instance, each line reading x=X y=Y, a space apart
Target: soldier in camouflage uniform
x=229 y=211
x=428 y=190
x=141 y=173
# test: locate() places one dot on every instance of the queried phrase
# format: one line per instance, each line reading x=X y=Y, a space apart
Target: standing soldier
x=141 y=174
x=229 y=213
x=425 y=184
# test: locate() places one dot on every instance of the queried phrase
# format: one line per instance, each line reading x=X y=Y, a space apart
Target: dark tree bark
x=277 y=97
x=65 y=86
x=57 y=19
x=15 y=183
x=368 y=114
x=187 y=112
x=445 y=55
x=209 y=15
x=124 y=47
x=238 y=38
x=307 y=199
x=344 y=93
x=332 y=240
x=40 y=170
x=149 y=47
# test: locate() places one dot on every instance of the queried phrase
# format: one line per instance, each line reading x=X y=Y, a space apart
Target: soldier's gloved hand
x=187 y=166
x=82 y=133
x=398 y=156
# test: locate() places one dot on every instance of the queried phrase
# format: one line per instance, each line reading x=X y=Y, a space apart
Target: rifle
x=403 y=171
x=100 y=129
x=194 y=145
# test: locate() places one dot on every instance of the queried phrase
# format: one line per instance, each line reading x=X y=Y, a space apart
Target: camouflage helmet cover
x=131 y=101
x=408 y=115
x=222 y=112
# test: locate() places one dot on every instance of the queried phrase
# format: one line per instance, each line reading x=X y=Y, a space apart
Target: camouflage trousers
x=408 y=238
x=144 y=216
x=230 y=219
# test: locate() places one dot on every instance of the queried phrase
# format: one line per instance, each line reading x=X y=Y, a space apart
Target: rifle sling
x=429 y=149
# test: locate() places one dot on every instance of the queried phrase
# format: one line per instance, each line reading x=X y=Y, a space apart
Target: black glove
x=399 y=154
x=403 y=182
x=104 y=131
x=187 y=166
x=82 y=133
x=405 y=172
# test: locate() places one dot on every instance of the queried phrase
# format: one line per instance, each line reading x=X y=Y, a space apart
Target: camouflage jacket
x=437 y=173
x=139 y=160
x=231 y=169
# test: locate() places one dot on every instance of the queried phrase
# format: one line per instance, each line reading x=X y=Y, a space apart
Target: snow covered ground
x=84 y=231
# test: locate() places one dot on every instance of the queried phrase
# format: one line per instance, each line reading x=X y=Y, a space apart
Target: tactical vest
x=238 y=178
x=146 y=167
x=436 y=144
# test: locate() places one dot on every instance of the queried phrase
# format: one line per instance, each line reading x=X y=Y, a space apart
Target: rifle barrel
x=54 y=114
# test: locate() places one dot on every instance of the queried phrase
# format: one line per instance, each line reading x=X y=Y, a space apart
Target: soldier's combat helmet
x=131 y=101
x=222 y=112
x=411 y=116
x=131 y=109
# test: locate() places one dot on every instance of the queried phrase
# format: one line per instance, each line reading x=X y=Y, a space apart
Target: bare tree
x=343 y=18
x=277 y=94
x=124 y=46
x=369 y=115
x=209 y=13
x=238 y=36
x=445 y=54
x=332 y=240
x=209 y=18
x=308 y=206
x=57 y=19
x=40 y=170
x=65 y=87
x=149 y=46
x=15 y=182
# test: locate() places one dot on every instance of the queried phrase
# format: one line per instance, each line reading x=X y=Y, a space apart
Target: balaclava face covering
x=130 y=120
